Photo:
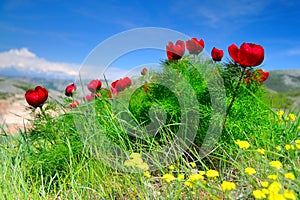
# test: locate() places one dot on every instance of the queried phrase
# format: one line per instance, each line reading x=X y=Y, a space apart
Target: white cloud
x=26 y=61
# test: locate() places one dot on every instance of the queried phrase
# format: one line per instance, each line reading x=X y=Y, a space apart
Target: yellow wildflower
x=189 y=184
x=201 y=173
x=272 y=177
x=289 y=194
x=180 y=177
x=290 y=176
x=277 y=164
x=276 y=196
x=274 y=187
x=278 y=148
x=265 y=191
x=143 y=166
x=168 y=177
x=264 y=183
x=135 y=155
x=195 y=177
x=171 y=167
x=147 y=174
x=136 y=161
x=212 y=173
x=250 y=170
x=280 y=113
x=291 y=117
x=289 y=147
x=128 y=163
x=226 y=185
x=242 y=144
x=193 y=165
x=261 y=151
x=297 y=143
x=258 y=194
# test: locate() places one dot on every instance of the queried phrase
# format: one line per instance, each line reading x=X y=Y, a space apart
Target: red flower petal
x=251 y=55
x=217 y=54
x=36 y=97
x=233 y=51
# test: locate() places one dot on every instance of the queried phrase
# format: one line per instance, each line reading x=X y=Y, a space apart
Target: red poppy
x=70 y=89
x=144 y=71
x=247 y=80
x=233 y=52
x=89 y=97
x=260 y=75
x=217 y=54
x=127 y=81
x=248 y=55
x=175 y=52
x=94 y=85
x=37 y=97
x=121 y=84
x=74 y=104
x=195 y=46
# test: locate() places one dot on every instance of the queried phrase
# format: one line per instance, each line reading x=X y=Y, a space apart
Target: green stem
x=235 y=93
x=43 y=113
x=48 y=123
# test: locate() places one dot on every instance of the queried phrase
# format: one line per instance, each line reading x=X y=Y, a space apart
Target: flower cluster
x=135 y=160
x=257 y=75
x=247 y=55
x=120 y=85
x=242 y=144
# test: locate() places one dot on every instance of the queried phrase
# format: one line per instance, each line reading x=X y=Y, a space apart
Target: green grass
x=279 y=100
x=86 y=152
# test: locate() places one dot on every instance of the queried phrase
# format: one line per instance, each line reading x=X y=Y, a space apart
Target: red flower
x=94 y=85
x=233 y=52
x=175 y=52
x=37 y=97
x=217 y=54
x=121 y=84
x=260 y=75
x=144 y=71
x=114 y=91
x=89 y=97
x=247 y=80
x=70 y=89
x=74 y=104
x=247 y=55
x=195 y=46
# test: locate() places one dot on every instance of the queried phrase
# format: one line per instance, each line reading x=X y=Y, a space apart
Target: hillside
x=284 y=81
x=284 y=89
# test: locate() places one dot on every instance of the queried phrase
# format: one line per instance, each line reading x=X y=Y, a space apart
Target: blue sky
x=58 y=34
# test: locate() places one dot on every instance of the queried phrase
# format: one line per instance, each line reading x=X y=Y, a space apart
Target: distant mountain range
x=283 y=81
x=280 y=81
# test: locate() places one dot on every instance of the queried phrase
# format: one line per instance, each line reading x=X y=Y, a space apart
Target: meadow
x=147 y=138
